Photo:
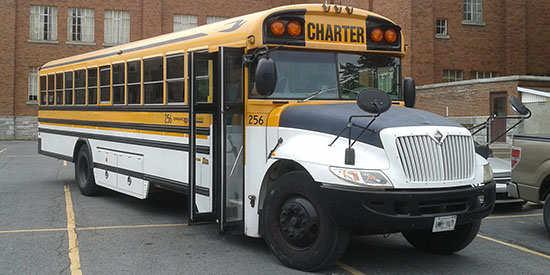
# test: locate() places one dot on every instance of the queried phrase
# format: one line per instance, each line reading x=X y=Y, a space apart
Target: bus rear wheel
x=297 y=227
x=444 y=242
x=84 y=173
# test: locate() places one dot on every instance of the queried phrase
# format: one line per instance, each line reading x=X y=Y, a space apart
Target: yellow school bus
x=293 y=124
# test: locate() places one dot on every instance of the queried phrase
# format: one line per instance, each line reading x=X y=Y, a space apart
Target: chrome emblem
x=438 y=136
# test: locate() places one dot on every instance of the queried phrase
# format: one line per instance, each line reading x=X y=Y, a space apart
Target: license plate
x=446 y=223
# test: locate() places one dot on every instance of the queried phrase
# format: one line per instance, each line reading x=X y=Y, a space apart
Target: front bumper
x=404 y=210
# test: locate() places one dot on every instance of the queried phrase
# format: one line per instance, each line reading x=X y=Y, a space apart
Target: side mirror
x=518 y=106
x=266 y=76
x=409 y=92
x=374 y=101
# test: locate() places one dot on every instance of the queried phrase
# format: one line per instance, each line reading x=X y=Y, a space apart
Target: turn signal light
x=377 y=35
x=277 y=27
x=294 y=28
x=390 y=35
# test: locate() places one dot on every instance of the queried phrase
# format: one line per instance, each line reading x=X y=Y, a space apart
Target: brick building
x=447 y=39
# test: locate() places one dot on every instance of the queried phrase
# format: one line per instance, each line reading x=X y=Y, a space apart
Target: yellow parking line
x=349 y=269
x=515 y=246
x=3 y=150
x=131 y=226
x=513 y=216
x=74 y=255
x=32 y=230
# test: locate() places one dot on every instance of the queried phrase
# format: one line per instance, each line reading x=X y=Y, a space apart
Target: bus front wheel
x=297 y=227
x=84 y=173
x=444 y=242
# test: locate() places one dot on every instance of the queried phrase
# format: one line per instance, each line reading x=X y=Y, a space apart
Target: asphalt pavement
x=47 y=226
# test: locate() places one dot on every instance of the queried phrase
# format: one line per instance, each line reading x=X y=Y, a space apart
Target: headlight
x=487 y=173
x=362 y=177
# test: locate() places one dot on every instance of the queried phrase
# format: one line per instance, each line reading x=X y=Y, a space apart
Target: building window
x=117 y=27
x=80 y=26
x=453 y=75
x=473 y=11
x=478 y=75
x=214 y=19
x=33 y=84
x=184 y=22
x=43 y=24
x=441 y=27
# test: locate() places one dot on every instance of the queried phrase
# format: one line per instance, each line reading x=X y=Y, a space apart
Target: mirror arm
x=521 y=119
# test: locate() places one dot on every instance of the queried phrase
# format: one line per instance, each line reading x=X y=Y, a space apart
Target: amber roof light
x=277 y=27
x=294 y=28
x=377 y=35
x=390 y=35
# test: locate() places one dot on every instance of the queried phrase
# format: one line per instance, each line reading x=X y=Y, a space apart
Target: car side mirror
x=518 y=106
x=266 y=76
x=409 y=92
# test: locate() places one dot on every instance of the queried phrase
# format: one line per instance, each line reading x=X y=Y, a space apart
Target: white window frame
x=480 y=75
x=214 y=19
x=43 y=23
x=80 y=25
x=473 y=12
x=116 y=27
x=184 y=22
x=441 y=28
x=33 y=84
x=453 y=75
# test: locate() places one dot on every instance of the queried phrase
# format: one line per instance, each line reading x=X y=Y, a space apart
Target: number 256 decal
x=256 y=120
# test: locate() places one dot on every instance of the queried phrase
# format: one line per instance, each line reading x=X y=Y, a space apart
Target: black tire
x=297 y=227
x=546 y=213
x=84 y=173
x=444 y=242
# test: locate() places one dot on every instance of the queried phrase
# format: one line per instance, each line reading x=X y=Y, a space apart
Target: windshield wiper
x=320 y=92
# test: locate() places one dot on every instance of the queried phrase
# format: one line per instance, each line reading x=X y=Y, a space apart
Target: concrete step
x=501 y=150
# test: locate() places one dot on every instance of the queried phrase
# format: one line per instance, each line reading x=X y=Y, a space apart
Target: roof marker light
x=377 y=35
x=294 y=28
x=277 y=27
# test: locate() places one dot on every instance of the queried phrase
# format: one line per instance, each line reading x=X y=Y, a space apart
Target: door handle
x=227 y=108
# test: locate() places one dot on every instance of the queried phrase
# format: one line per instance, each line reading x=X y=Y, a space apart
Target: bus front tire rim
x=299 y=222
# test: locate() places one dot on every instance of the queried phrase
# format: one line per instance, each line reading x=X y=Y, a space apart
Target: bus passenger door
x=232 y=139
x=203 y=136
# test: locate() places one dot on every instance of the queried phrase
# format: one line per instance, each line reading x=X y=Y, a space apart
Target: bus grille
x=425 y=160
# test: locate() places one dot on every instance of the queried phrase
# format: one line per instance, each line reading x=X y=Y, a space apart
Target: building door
x=499 y=108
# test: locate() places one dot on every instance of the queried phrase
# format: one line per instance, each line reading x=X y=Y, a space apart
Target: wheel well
x=79 y=144
x=545 y=188
x=276 y=170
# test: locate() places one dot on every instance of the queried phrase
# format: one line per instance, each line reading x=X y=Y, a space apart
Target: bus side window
x=118 y=83
x=43 y=90
x=153 y=76
x=80 y=87
x=175 y=78
x=92 y=86
x=59 y=89
x=105 y=84
x=134 y=82
x=50 y=89
x=68 y=88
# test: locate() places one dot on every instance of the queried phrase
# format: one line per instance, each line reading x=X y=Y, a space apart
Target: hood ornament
x=438 y=136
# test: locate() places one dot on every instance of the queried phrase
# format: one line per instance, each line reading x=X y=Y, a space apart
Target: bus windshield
x=302 y=74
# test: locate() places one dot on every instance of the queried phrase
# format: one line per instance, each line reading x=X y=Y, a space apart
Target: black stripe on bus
x=124 y=125
x=127 y=140
x=173 y=184
x=118 y=108
x=175 y=40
